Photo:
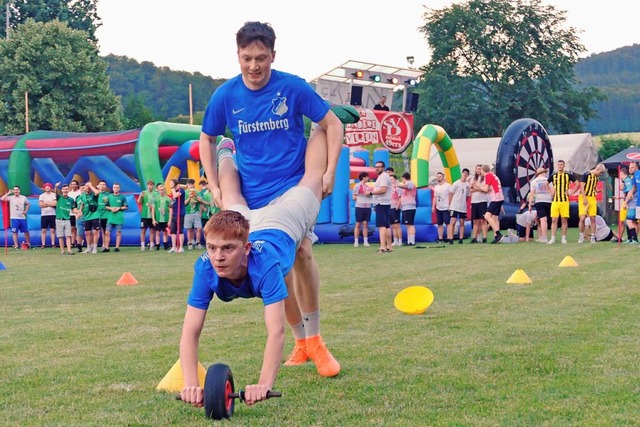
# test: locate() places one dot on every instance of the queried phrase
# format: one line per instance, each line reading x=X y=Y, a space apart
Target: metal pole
x=7 y=22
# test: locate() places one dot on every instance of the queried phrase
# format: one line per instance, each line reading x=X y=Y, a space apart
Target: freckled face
x=228 y=257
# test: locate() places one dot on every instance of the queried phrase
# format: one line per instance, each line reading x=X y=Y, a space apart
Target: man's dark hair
x=363 y=175
x=465 y=170
x=254 y=31
x=406 y=175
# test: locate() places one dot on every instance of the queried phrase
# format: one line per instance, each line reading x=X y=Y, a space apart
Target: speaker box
x=356 y=95
x=412 y=102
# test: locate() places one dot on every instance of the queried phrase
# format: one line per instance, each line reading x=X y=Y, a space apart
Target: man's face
x=116 y=188
x=379 y=168
x=465 y=175
x=47 y=189
x=65 y=190
x=633 y=167
x=255 y=64
x=227 y=257
x=102 y=185
x=161 y=190
x=16 y=191
x=560 y=166
x=439 y=177
x=73 y=186
x=150 y=186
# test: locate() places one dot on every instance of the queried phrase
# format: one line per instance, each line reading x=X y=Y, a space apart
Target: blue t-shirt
x=628 y=185
x=268 y=130
x=636 y=183
x=270 y=259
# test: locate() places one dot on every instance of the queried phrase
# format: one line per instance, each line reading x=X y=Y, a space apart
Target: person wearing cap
x=65 y=207
x=47 y=203
x=540 y=200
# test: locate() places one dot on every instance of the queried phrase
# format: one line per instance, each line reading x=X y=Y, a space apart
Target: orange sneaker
x=298 y=355
x=326 y=364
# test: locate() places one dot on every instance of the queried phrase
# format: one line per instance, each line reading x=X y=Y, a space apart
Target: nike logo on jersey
x=240 y=110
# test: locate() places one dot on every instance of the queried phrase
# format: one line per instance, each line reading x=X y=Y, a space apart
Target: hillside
x=617 y=74
x=165 y=92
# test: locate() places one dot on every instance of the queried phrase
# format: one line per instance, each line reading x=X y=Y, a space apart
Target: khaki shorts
x=295 y=213
x=63 y=228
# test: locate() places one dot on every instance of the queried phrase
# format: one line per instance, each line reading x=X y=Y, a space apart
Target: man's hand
x=328 y=181
x=193 y=395
x=216 y=194
x=255 y=393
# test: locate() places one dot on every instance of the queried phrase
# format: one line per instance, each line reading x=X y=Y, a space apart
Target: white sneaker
x=356 y=244
x=564 y=240
x=94 y=250
x=180 y=250
x=551 y=241
x=593 y=239
x=581 y=238
x=142 y=248
x=365 y=243
x=190 y=247
x=171 y=250
x=198 y=246
x=542 y=240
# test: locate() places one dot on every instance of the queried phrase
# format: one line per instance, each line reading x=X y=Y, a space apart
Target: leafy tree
x=65 y=78
x=495 y=61
x=136 y=114
x=612 y=145
x=77 y=14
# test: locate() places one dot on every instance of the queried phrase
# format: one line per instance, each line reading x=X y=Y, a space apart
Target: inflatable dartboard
x=524 y=147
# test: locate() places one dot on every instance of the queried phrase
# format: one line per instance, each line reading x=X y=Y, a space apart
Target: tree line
x=493 y=61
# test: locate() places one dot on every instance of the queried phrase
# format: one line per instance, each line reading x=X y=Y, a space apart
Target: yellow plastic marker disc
x=413 y=300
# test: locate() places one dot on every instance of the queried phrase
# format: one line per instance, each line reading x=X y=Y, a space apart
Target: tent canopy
x=631 y=154
x=577 y=150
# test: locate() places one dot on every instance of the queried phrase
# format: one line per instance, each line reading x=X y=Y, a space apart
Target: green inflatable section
x=20 y=160
x=152 y=136
x=425 y=138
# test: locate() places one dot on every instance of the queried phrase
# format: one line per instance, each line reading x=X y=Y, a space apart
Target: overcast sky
x=312 y=37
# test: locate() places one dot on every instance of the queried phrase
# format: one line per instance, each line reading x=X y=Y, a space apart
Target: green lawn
x=75 y=349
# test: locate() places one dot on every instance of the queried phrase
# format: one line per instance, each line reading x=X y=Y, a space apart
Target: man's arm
x=208 y=151
x=335 y=135
x=191 y=329
x=274 y=321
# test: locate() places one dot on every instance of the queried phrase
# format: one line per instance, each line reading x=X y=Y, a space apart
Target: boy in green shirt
x=64 y=206
x=145 y=199
x=161 y=213
x=115 y=207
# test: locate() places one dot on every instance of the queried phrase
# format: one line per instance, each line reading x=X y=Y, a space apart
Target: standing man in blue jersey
x=264 y=109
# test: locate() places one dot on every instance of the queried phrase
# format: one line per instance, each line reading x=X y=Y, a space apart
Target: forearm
x=189 y=360
x=207 y=148
x=335 y=135
x=272 y=356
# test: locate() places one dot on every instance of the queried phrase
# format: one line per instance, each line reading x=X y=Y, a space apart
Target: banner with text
x=392 y=129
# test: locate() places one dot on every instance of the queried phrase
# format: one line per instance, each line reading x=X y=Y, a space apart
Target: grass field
x=77 y=350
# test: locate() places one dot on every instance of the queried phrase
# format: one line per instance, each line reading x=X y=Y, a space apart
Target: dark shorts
x=543 y=209
x=48 y=221
x=609 y=237
x=161 y=226
x=72 y=218
x=363 y=214
x=522 y=231
x=494 y=208
x=19 y=224
x=478 y=210
x=442 y=217
x=458 y=215
x=146 y=223
x=382 y=215
x=409 y=216
x=103 y=224
x=174 y=224
x=394 y=216
x=92 y=224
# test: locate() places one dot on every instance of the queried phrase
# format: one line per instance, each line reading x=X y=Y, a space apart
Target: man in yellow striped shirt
x=559 y=184
x=587 y=205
